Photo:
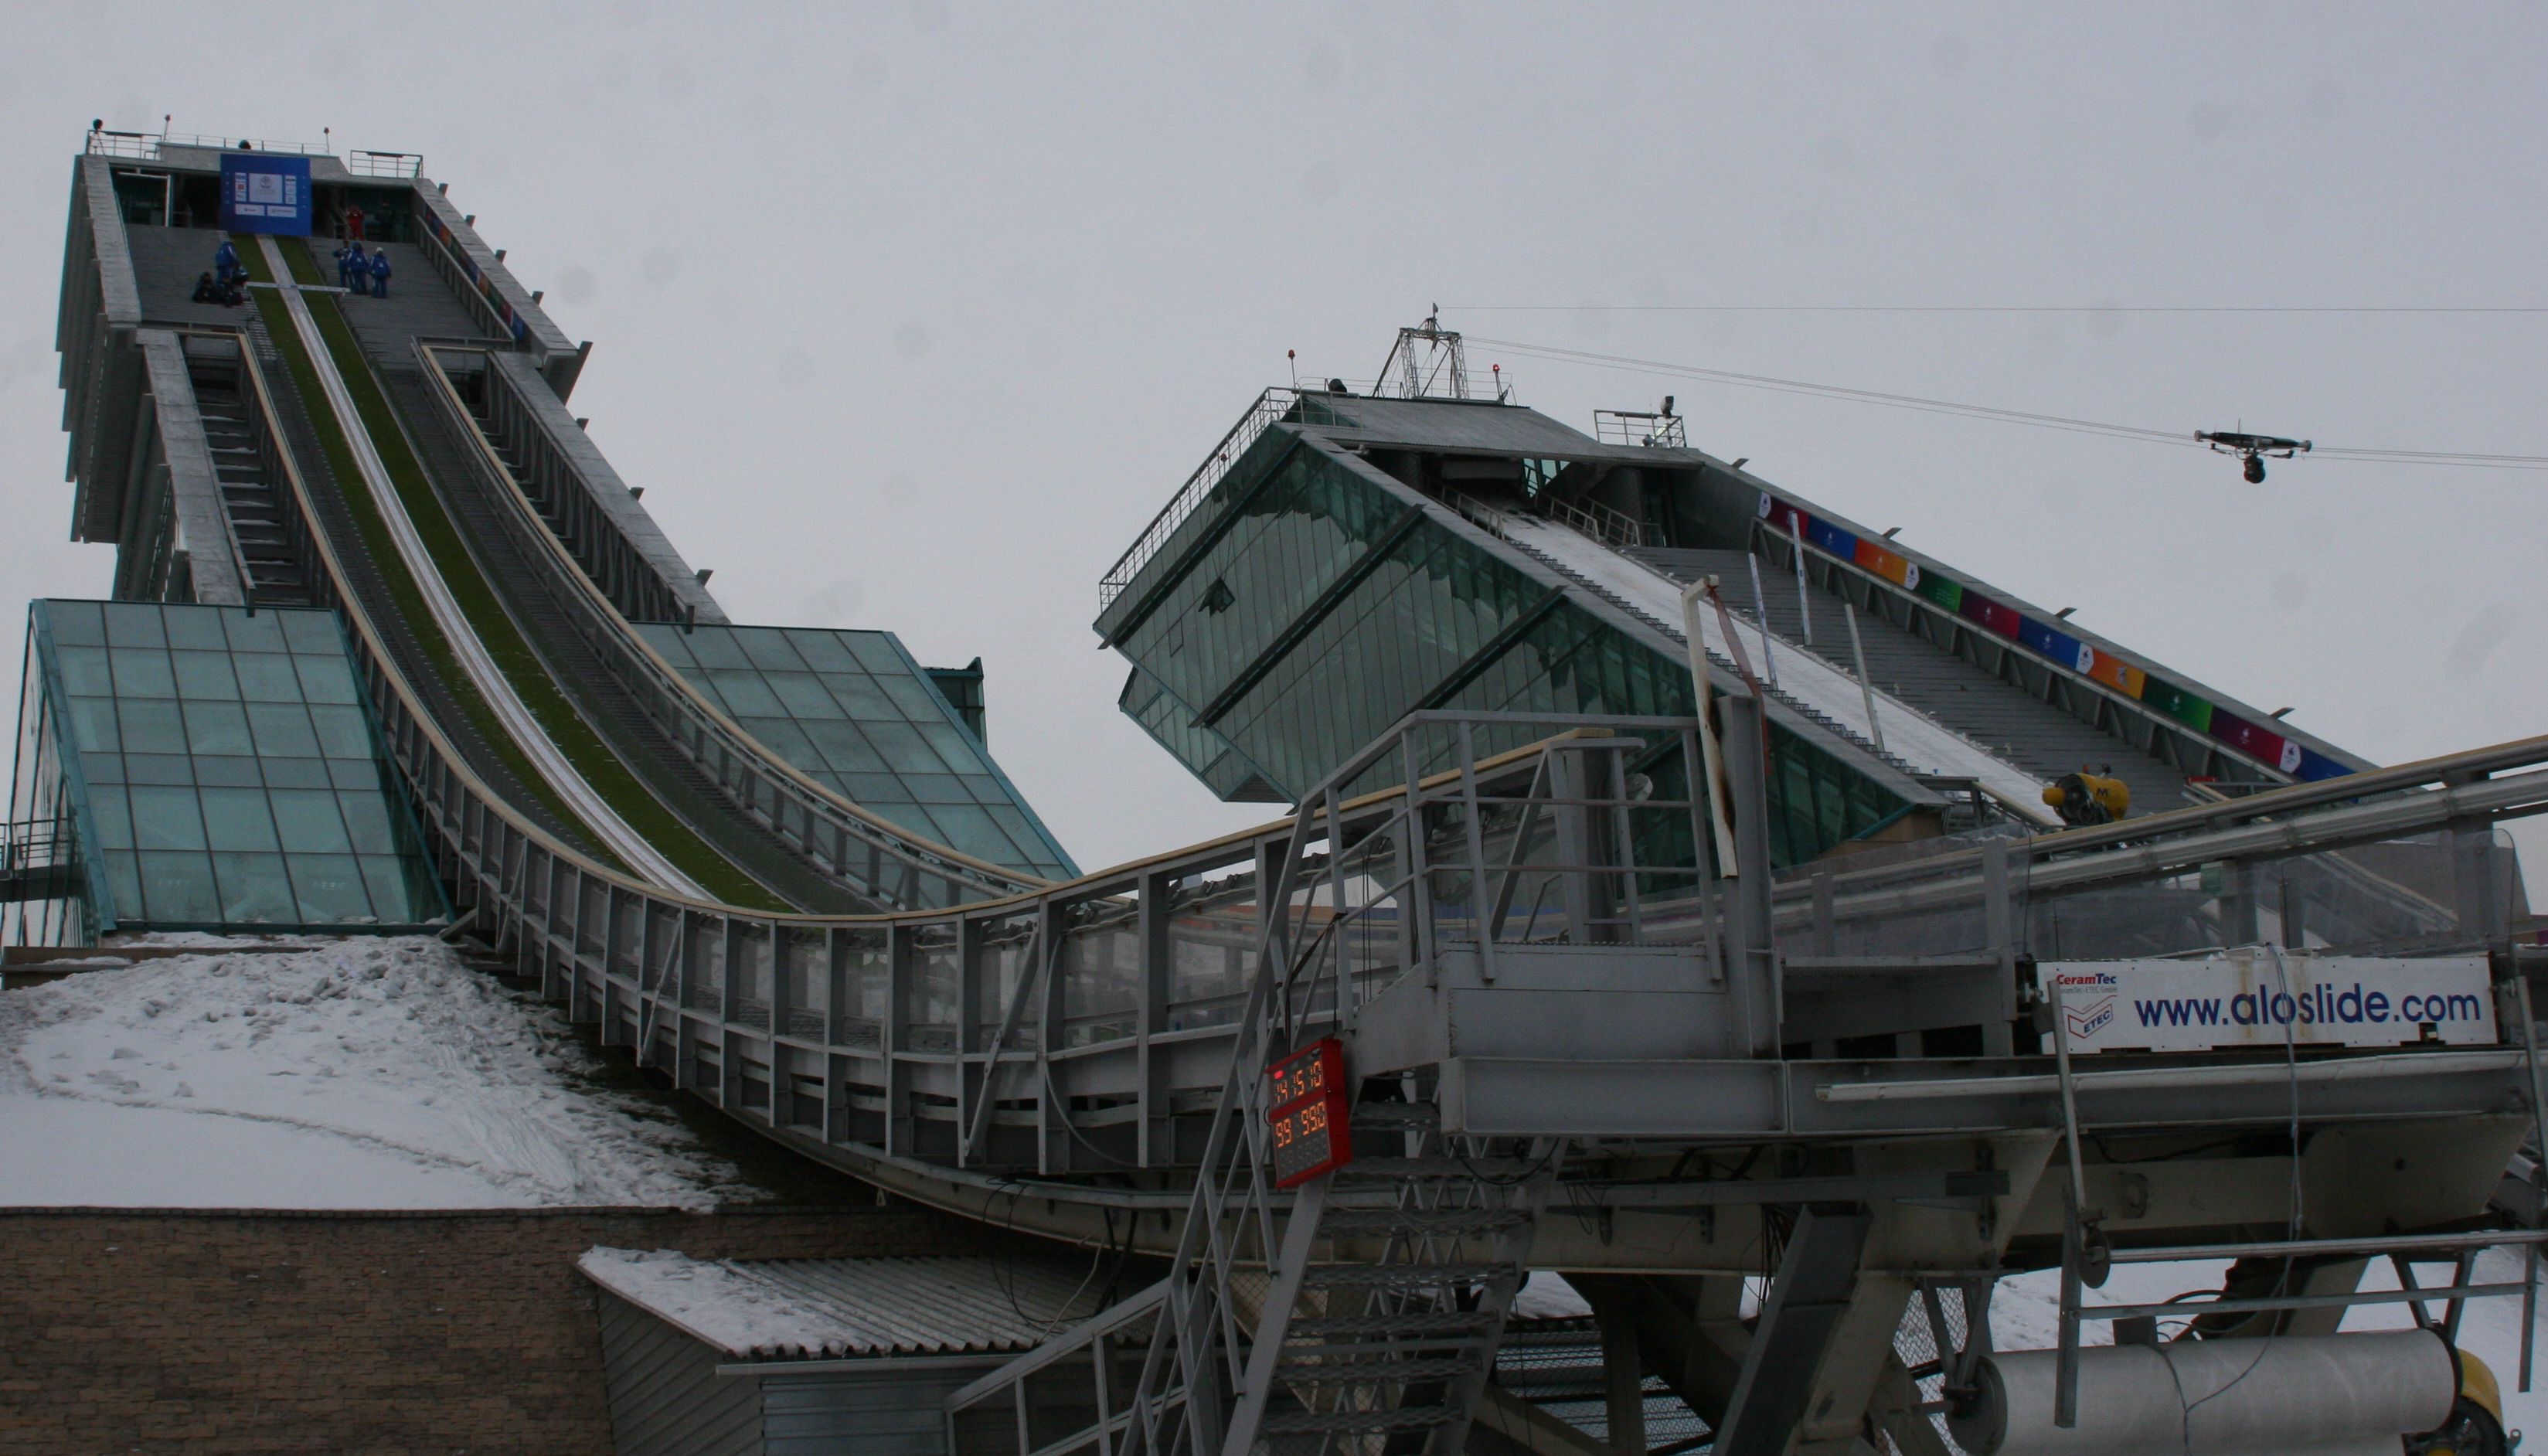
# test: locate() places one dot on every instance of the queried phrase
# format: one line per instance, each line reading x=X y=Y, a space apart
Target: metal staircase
x=1394 y=1326
x=1360 y=1311
x=265 y=524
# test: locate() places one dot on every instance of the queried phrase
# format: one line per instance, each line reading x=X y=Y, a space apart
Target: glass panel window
x=142 y=672
x=93 y=724
x=746 y=696
x=134 y=624
x=266 y=677
x=295 y=772
x=843 y=745
x=309 y=820
x=80 y=622
x=198 y=628
x=238 y=819
x=113 y=821
x=329 y=887
x=256 y=888
x=822 y=651
x=178 y=889
x=162 y=768
x=768 y=649
x=282 y=730
x=205 y=674
x=397 y=896
x=217 y=728
x=326 y=680
x=860 y=696
x=876 y=653
x=151 y=725
x=904 y=749
x=85 y=671
x=253 y=632
x=165 y=817
x=342 y=731
x=367 y=822
x=229 y=772
x=716 y=650
x=123 y=878
x=312 y=632
x=780 y=737
x=803 y=694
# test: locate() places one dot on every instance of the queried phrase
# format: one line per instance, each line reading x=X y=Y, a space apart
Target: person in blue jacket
x=380 y=272
x=358 y=269
x=225 y=263
x=344 y=268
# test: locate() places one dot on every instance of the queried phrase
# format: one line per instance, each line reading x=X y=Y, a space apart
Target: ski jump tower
x=1638 y=914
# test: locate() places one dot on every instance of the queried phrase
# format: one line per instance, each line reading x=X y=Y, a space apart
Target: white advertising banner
x=2246 y=998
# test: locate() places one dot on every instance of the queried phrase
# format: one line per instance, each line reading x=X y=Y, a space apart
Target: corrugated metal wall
x=892 y=1412
x=666 y=1396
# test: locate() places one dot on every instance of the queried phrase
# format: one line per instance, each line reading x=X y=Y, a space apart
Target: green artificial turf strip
x=593 y=759
x=385 y=555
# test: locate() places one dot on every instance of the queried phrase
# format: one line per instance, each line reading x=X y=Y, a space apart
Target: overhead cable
x=2180 y=438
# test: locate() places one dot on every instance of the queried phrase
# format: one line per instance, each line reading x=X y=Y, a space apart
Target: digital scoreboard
x=1307 y=1122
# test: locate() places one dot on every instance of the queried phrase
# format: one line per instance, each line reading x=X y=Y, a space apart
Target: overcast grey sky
x=909 y=316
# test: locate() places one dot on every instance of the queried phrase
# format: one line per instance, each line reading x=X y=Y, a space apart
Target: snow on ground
x=362 y=1073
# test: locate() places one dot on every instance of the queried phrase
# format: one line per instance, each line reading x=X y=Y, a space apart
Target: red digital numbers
x=1306 y=1123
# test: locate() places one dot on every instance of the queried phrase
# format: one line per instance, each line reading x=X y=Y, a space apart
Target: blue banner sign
x=263 y=192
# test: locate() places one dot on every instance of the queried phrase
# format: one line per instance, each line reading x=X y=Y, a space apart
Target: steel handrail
x=2058 y=668
x=2203 y=818
x=609 y=633
x=1270 y=406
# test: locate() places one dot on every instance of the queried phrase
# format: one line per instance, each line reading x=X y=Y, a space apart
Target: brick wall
x=421 y=1332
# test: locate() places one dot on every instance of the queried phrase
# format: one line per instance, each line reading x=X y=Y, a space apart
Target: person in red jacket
x=354 y=223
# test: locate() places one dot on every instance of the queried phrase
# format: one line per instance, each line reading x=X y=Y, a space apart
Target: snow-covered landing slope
x=363 y=1073
x=1910 y=735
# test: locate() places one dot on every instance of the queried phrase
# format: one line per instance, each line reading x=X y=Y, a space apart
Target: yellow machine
x=2476 y=1427
x=2089 y=799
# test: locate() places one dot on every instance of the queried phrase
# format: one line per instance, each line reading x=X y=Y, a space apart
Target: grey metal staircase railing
x=1370 y=1301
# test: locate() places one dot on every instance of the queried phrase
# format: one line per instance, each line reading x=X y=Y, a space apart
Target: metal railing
x=146 y=145
x=39 y=859
x=1611 y=528
x=1271 y=406
x=366 y=164
x=1645 y=428
x=1877 y=590
x=849 y=843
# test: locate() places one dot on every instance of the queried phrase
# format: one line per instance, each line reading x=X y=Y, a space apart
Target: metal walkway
x=2041 y=737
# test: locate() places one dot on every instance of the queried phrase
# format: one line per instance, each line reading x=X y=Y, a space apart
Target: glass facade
x=222 y=770
x=1314 y=605
x=856 y=713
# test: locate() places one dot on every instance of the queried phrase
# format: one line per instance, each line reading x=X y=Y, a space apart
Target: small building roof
x=847 y=1309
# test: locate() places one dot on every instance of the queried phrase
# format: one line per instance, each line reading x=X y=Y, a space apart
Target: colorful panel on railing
x=1781 y=516
x=2193 y=711
x=2196 y=712
x=2114 y=673
x=1944 y=591
x=1892 y=566
x=1989 y=615
x=1832 y=538
x=2053 y=643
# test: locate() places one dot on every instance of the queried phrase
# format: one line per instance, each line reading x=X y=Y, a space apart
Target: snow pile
x=361 y=1074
